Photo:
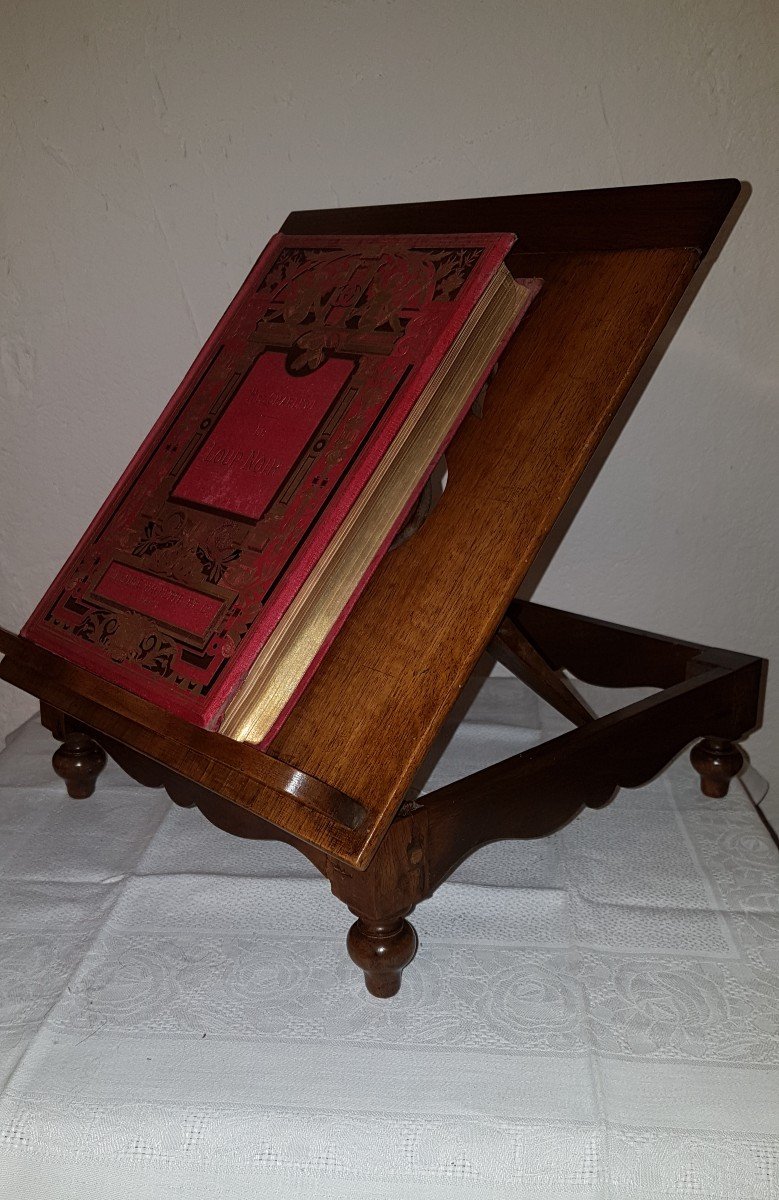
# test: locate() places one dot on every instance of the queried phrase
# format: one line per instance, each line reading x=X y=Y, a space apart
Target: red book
x=266 y=470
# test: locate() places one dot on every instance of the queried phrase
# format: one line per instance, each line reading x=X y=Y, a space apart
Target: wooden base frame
x=704 y=693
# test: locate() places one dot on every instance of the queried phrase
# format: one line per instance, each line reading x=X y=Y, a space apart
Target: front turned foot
x=79 y=761
x=717 y=761
x=381 y=949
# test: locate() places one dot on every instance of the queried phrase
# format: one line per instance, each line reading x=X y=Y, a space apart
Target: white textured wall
x=150 y=148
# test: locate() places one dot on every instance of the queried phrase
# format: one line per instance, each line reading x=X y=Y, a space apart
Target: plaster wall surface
x=150 y=147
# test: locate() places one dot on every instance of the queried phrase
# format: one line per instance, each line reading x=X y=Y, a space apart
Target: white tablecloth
x=589 y=1015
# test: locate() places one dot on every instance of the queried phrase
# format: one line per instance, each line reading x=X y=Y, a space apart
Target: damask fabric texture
x=589 y=1015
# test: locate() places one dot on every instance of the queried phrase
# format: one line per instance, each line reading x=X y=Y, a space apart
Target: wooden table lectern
x=614 y=263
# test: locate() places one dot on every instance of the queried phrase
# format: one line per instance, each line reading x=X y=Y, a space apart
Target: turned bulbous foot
x=79 y=761
x=717 y=761
x=381 y=949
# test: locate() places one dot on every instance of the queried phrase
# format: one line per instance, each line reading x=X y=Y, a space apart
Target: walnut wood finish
x=79 y=761
x=717 y=761
x=367 y=719
x=614 y=264
x=381 y=949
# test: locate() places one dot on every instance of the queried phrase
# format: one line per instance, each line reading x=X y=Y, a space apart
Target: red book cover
x=256 y=461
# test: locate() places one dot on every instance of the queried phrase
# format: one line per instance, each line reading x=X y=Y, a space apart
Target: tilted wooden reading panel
x=614 y=265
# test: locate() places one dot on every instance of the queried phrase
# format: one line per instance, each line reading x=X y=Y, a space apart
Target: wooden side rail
x=534 y=793
x=236 y=771
x=707 y=693
x=609 y=655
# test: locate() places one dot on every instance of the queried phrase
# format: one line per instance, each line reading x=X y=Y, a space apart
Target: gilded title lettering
x=245 y=460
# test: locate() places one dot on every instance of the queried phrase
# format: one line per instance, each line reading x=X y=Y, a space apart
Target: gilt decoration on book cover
x=257 y=459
